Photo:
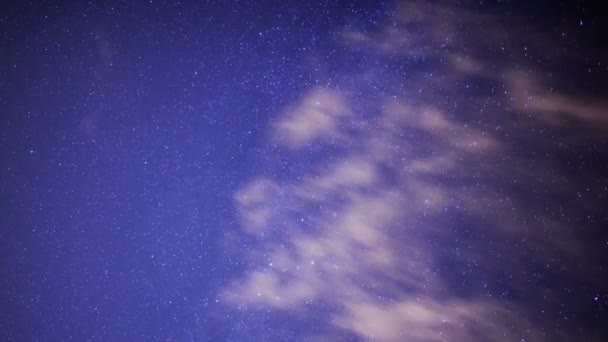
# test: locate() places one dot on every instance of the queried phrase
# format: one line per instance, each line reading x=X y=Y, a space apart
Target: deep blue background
x=126 y=130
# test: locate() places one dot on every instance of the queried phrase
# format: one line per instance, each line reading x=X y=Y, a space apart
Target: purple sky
x=303 y=171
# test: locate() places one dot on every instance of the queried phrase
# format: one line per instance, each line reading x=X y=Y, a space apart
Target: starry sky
x=303 y=171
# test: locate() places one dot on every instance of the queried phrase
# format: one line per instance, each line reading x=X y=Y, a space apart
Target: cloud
x=427 y=320
x=255 y=204
x=429 y=213
x=317 y=115
x=551 y=106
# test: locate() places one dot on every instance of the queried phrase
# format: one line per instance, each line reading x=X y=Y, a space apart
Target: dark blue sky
x=295 y=171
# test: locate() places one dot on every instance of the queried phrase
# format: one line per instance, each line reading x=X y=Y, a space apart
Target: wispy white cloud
x=379 y=219
x=317 y=115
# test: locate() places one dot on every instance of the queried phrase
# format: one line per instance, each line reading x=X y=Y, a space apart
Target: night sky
x=303 y=171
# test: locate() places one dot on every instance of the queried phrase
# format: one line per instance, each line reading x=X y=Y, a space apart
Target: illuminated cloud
x=550 y=106
x=422 y=193
x=255 y=204
x=427 y=320
x=317 y=115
